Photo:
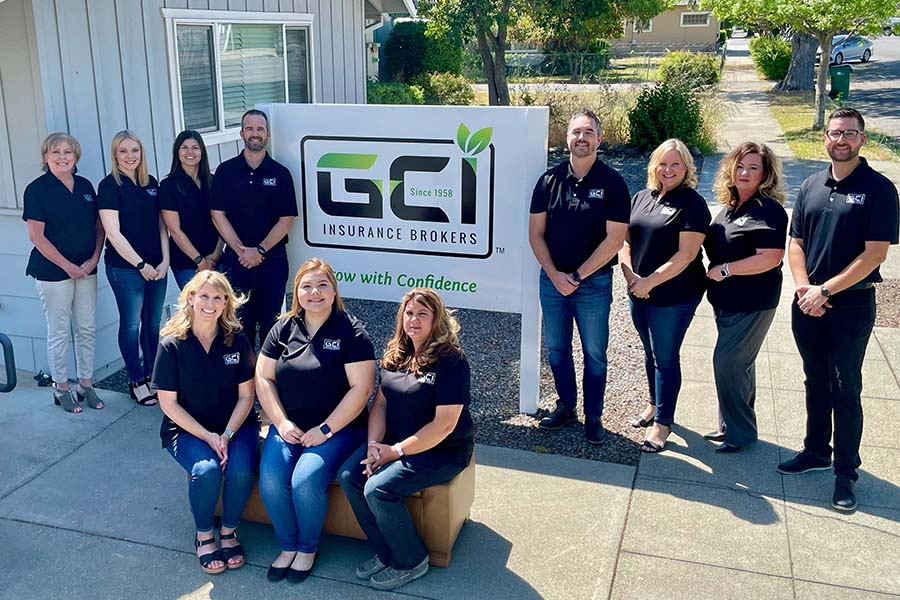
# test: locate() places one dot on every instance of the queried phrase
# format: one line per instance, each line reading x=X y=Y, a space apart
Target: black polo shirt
x=253 y=199
x=310 y=374
x=577 y=211
x=138 y=209
x=179 y=193
x=412 y=401
x=655 y=228
x=835 y=219
x=70 y=223
x=206 y=383
x=757 y=224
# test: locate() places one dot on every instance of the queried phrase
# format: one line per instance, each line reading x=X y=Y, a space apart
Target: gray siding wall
x=93 y=67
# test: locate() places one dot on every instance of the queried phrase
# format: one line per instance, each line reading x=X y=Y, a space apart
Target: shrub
x=688 y=69
x=665 y=111
x=394 y=93
x=414 y=48
x=771 y=55
x=446 y=88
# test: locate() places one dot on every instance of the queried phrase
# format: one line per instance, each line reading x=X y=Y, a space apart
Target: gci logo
x=417 y=196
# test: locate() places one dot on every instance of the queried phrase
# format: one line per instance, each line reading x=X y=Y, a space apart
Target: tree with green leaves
x=821 y=19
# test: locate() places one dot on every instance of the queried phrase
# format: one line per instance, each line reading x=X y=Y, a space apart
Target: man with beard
x=579 y=218
x=845 y=218
x=253 y=207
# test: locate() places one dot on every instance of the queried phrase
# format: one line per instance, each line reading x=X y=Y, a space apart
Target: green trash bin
x=840 y=81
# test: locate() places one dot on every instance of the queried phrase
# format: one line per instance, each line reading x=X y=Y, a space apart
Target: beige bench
x=438 y=513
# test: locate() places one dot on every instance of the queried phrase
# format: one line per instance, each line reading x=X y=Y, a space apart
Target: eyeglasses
x=849 y=134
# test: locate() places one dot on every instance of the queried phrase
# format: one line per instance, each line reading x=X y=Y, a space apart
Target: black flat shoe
x=276 y=574
x=714 y=436
x=298 y=576
x=727 y=448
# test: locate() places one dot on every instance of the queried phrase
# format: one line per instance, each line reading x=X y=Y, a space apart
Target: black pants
x=832 y=348
x=264 y=285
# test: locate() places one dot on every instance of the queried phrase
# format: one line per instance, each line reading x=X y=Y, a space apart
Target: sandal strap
x=232 y=552
x=207 y=559
x=227 y=536
x=206 y=542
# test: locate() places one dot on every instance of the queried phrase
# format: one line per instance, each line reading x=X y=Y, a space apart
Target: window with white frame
x=223 y=63
x=643 y=26
x=695 y=19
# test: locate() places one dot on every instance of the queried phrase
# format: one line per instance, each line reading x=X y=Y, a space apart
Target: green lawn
x=794 y=113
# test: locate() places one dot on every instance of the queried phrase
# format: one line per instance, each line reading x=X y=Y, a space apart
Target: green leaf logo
x=475 y=143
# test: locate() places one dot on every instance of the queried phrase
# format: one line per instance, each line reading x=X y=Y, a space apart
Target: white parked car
x=848 y=47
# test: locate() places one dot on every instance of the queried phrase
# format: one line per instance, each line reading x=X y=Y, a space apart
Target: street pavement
x=91 y=506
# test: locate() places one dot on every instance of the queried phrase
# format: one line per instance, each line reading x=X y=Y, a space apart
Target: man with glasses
x=845 y=218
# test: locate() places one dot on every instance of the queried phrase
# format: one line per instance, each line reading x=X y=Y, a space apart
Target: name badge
x=232 y=359
x=741 y=221
x=88 y=198
x=855 y=199
x=331 y=344
x=151 y=191
x=427 y=378
x=667 y=210
x=270 y=181
x=596 y=194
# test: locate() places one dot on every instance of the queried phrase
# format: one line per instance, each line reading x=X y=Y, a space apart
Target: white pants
x=71 y=308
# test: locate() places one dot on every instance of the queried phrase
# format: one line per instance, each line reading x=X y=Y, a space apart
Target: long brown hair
x=442 y=341
x=770 y=187
x=313 y=264
x=180 y=323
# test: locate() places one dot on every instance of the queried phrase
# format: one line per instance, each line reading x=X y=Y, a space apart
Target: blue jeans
x=293 y=483
x=200 y=461
x=662 y=330
x=379 y=502
x=265 y=286
x=588 y=306
x=182 y=276
x=140 y=304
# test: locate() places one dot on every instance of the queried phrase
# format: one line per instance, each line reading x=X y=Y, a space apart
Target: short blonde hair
x=770 y=187
x=690 y=176
x=141 y=171
x=55 y=139
x=181 y=321
x=313 y=264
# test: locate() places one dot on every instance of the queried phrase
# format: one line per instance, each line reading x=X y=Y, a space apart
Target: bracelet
x=398 y=449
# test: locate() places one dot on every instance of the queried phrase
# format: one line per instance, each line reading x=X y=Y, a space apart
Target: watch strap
x=140 y=265
x=198 y=259
x=261 y=250
x=326 y=430
x=228 y=433
x=576 y=276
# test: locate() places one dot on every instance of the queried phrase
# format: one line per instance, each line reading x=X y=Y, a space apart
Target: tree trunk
x=487 y=60
x=801 y=72
x=819 y=115
x=493 y=54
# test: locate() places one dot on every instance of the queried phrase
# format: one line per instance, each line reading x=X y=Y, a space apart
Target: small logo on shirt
x=151 y=191
x=270 y=181
x=741 y=221
x=427 y=378
x=88 y=198
x=331 y=344
x=667 y=210
x=855 y=199
x=596 y=194
x=232 y=359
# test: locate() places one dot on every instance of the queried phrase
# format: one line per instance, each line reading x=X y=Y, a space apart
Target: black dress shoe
x=276 y=574
x=844 y=499
x=714 y=436
x=727 y=448
x=594 y=431
x=558 y=419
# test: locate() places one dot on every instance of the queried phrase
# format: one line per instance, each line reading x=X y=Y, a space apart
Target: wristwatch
x=826 y=293
x=326 y=430
x=724 y=271
x=398 y=449
x=228 y=433
x=576 y=276
x=140 y=265
x=261 y=250
x=198 y=259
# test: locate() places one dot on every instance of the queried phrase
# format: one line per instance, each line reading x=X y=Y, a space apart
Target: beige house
x=684 y=27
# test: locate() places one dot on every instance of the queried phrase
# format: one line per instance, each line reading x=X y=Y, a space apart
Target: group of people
x=224 y=237
x=583 y=221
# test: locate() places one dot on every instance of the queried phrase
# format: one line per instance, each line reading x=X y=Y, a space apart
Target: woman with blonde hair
x=204 y=378
x=745 y=245
x=61 y=213
x=420 y=434
x=137 y=258
x=315 y=373
x=663 y=268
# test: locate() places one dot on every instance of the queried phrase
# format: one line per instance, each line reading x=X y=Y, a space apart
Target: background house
x=683 y=27
x=93 y=67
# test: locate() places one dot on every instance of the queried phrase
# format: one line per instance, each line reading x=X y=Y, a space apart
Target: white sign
x=396 y=197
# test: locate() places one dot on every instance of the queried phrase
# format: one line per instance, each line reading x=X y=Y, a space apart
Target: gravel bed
x=491 y=342
x=887 y=299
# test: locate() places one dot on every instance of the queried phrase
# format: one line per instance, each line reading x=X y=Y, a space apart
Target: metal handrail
x=9 y=360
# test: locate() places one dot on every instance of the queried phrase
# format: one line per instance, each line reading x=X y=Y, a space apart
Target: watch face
x=325 y=428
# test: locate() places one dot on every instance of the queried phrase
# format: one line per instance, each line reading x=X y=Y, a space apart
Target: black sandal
x=652 y=447
x=640 y=422
x=233 y=552
x=209 y=558
x=142 y=395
